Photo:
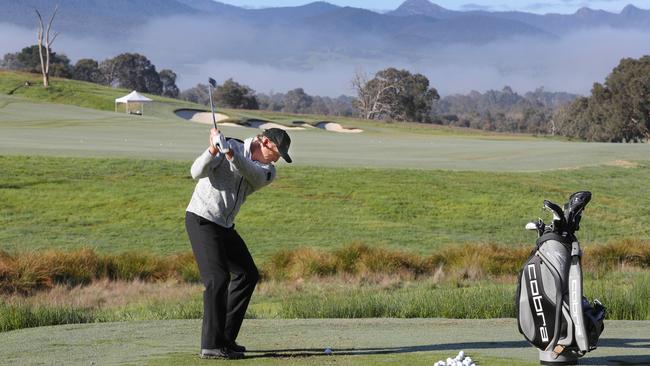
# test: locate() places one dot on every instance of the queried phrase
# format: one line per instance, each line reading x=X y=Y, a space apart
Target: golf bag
x=552 y=313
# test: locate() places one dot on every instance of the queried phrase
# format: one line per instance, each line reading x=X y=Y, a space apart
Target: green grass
x=289 y=342
x=371 y=342
x=116 y=205
x=100 y=97
x=624 y=294
x=74 y=118
x=71 y=92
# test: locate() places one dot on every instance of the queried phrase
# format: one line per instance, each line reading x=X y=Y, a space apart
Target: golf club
x=213 y=84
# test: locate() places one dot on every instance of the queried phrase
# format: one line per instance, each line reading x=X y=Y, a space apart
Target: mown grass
x=67 y=91
x=100 y=97
x=117 y=205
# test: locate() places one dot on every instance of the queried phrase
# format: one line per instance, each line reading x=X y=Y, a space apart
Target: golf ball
x=328 y=351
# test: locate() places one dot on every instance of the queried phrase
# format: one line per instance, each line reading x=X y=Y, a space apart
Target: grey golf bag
x=552 y=313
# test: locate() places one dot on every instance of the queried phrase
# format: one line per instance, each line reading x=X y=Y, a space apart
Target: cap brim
x=285 y=156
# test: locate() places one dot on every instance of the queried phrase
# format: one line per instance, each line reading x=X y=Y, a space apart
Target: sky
x=531 y=6
x=571 y=63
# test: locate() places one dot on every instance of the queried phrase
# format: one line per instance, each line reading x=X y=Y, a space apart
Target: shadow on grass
x=588 y=360
x=309 y=352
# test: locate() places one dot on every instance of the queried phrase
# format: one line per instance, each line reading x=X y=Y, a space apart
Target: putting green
x=29 y=128
x=302 y=342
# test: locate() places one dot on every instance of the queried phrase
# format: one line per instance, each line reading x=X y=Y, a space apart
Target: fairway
x=30 y=128
x=301 y=342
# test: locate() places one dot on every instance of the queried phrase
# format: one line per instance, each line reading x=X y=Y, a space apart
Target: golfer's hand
x=218 y=141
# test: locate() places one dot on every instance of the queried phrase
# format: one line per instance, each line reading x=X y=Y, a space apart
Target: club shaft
x=214 y=120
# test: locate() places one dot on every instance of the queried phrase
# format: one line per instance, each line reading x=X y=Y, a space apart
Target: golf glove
x=219 y=141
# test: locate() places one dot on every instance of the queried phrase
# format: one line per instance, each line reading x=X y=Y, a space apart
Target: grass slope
x=301 y=342
x=100 y=97
x=123 y=204
x=74 y=118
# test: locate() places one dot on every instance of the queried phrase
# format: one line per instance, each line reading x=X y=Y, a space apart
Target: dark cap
x=281 y=139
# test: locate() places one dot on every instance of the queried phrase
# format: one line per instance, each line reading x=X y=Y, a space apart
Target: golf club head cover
x=219 y=141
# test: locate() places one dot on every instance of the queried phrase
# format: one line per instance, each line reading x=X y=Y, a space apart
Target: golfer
x=227 y=172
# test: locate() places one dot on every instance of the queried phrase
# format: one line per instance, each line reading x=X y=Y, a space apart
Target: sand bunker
x=265 y=125
x=200 y=116
x=335 y=127
x=303 y=124
x=195 y=115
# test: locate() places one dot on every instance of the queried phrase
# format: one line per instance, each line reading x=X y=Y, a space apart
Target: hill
x=121 y=17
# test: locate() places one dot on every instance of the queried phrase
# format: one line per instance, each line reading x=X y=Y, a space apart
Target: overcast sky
x=532 y=6
x=571 y=63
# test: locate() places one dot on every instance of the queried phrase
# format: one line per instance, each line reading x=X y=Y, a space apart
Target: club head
x=212 y=82
x=531 y=226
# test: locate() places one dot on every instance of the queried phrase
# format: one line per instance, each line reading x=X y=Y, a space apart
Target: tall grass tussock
x=30 y=271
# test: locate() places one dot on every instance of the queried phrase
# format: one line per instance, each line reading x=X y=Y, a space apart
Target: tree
x=297 y=101
x=87 y=69
x=370 y=95
x=234 y=95
x=28 y=59
x=45 y=63
x=616 y=111
x=628 y=87
x=10 y=61
x=273 y=102
x=198 y=94
x=168 y=80
x=132 y=71
x=396 y=94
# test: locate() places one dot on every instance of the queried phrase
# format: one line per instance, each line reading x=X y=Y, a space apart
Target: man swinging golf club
x=227 y=172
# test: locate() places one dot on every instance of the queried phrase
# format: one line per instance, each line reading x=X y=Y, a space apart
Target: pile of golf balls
x=459 y=360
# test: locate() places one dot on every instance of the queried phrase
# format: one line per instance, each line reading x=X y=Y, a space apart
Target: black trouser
x=228 y=274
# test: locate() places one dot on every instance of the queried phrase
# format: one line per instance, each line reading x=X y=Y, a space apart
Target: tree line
x=232 y=94
x=616 y=111
x=127 y=70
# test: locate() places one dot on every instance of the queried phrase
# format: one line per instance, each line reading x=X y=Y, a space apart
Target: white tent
x=133 y=98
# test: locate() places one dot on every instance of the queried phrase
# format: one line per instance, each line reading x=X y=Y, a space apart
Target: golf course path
x=302 y=342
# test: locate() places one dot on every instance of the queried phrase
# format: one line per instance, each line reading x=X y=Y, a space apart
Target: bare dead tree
x=359 y=81
x=45 y=63
x=552 y=121
x=370 y=95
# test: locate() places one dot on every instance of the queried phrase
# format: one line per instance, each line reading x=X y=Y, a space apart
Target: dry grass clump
x=479 y=261
x=31 y=271
x=465 y=262
x=471 y=262
x=618 y=255
x=355 y=259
